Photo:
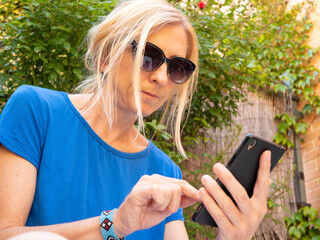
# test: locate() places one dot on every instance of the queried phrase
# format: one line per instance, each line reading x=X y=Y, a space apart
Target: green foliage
x=42 y=44
x=279 y=188
x=304 y=224
x=161 y=138
x=223 y=65
x=250 y=46
x=286 y=126
x=286 y=62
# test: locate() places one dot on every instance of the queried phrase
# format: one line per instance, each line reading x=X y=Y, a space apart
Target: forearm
x=86 y=229
x=174 y=229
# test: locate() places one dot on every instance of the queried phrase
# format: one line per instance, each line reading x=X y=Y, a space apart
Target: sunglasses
x=179 y=69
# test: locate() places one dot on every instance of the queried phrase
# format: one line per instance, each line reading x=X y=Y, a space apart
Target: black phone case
x=244 y=166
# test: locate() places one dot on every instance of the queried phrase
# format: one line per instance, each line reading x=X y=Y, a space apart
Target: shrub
x=41 y=42
x=304 y=224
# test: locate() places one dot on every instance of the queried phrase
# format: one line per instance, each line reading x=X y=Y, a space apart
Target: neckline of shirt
x=135 y=155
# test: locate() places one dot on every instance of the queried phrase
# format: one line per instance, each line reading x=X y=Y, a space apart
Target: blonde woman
x=67 y=158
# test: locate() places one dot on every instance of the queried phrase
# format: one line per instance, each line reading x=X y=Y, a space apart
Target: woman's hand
x=151 y=200
x=237 y=222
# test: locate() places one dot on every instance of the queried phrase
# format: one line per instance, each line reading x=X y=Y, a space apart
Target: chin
x=147 y=112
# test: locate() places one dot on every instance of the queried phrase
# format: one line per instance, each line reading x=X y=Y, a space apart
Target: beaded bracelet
x=106 y=225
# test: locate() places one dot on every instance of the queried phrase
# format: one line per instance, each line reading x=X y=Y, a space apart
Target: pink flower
x=201 y=5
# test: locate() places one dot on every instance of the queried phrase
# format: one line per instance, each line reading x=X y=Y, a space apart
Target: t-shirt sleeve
x=179 y=214
x=22 y=128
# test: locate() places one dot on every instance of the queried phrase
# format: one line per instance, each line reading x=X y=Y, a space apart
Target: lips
x=150 y=94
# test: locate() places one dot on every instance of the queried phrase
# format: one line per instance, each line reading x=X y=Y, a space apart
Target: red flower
x=201 y=5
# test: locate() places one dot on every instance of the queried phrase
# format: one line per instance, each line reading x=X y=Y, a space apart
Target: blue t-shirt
x=79 y=175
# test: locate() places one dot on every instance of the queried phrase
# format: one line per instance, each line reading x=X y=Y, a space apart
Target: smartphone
x=244 y=166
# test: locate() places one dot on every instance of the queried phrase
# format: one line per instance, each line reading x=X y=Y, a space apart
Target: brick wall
x=311 y=144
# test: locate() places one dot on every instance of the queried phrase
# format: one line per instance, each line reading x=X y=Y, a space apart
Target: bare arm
x=17 y=188
x=174 y=229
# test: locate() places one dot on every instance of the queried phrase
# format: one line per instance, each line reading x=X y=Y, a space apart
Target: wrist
x=116 y=225
x=107 y=226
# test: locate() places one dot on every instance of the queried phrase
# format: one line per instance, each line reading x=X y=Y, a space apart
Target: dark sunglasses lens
x=152 y=59
x=180 y=70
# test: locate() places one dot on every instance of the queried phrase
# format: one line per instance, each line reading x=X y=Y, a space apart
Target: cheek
x=171 y=90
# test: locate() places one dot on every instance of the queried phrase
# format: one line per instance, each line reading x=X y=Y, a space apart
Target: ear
x=103 y=68
x=103 y=64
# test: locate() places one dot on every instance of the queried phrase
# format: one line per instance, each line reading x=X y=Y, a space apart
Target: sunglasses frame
x=164 y=59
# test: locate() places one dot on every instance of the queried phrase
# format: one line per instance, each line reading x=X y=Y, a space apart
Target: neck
x=122 y=133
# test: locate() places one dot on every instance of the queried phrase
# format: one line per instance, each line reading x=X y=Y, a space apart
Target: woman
x=66 y=158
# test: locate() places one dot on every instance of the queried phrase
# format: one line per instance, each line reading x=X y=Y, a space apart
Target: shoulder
x=25 y=119
x=27 y=96
x=33 y=104
x=33 y=92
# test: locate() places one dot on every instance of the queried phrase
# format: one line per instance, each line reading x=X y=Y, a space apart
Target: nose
x=160 y=75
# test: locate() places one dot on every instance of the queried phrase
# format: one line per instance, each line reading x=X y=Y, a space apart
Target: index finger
x=261 y=186
x=187 y=189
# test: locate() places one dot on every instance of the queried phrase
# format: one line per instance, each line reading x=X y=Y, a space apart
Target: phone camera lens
x=251 y=144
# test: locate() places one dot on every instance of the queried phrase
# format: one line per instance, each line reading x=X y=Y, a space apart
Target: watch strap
x=106 y=225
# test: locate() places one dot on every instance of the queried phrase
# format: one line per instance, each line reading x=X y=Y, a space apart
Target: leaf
x=67 y=46
x=43 y=59
x=316 y=222
x=291 y=231
x=282 y=127
x=307 y=108
x=74 y=52
x=311 y=213
x=288 y=221
x=301 y=127
x=316 y=236
x=48 y=14
x=306 y=238
x=37 y=49
x=166 y=136
x=78 y=73
x=58 y=67
x=297 y=234
x=262 y=38
x=60 y=28
x=280 y=88
x=251 y=64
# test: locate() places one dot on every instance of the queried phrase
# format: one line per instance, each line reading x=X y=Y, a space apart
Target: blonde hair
x=108 y=40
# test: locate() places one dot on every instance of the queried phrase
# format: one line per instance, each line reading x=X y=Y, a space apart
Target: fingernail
x=268 y=154
x=205 y=178
x=218 y=167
